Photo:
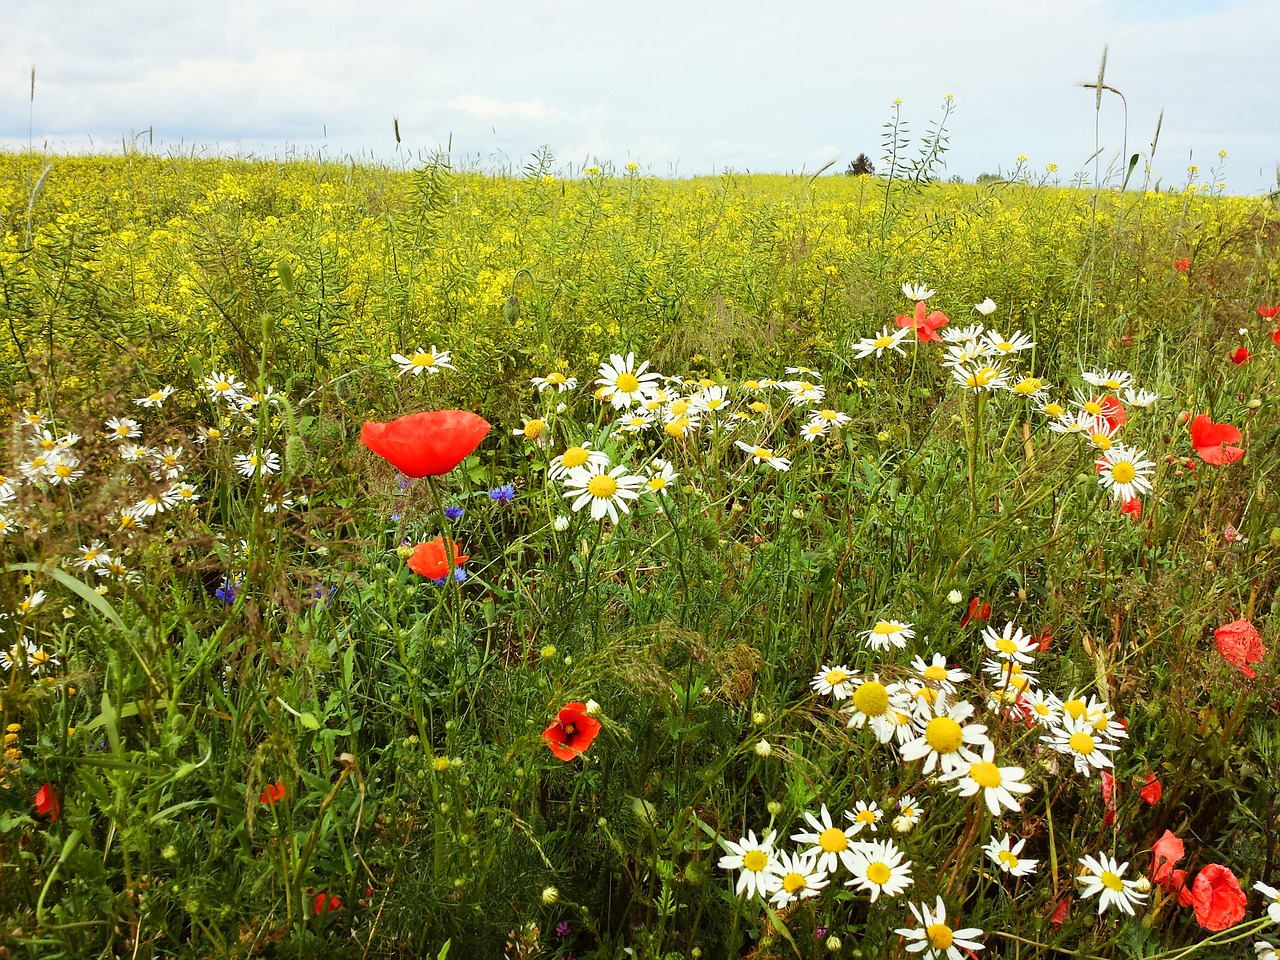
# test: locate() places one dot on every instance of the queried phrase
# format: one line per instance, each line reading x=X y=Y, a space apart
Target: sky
x=680 y=87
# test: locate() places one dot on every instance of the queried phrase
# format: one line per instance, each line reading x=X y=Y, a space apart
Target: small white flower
x=954 y=597
x=432 y=361
x=252 y=464
x=986 y=307
x=1104 y=876
x=155 y=398
x=560 y=524
x=917 y=291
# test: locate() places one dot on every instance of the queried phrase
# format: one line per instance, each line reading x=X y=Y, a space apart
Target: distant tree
x=989 y=178
x=862 y=167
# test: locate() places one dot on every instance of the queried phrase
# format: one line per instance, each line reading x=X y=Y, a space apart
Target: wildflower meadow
x=564 y=562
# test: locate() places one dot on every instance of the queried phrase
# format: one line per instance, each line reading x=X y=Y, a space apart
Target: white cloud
x=486 y=108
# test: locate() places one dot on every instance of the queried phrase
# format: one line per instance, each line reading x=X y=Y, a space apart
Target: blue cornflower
x=459 y=574
x=503 y=494
x=227 y=592
x=453 y=513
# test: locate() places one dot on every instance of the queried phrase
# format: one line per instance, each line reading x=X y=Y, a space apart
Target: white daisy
x=935 y=938
x=155 y=398
x=888 y=633
x=764 y=455
x=1139 y=398
x=606 y=490
x=754 y=858
x=829 y=843
x=1108 y=379
x=909 y=813
x=635 y=421
x=874 y=705
x=799 y=877
x=878 y=867
x=626 y=383
x=1004 y=853
x=998 y=784
x=1016 y=343
x=938 y=674
x=123 y=428
x=1123 y=471
x=1032 y=388
x=251 y=464
x=974 y=332
x=1104 y=876
x=865 y=815
x=222 y=386
x=917 y=291
x=1272 y=896
x=986 y=307
x=947 y=739
x=554 y=381
x=1010 y=644
x=1078 y=740
x=430 y=361
x=981 y=376
x=574 y=458
x=804 y=393
x=660 y=474
x=837 y=681
x=887 y=339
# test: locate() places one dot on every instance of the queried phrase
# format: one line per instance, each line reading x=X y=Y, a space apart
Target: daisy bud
x=763 y=748
x=954 y=597
x=593 y=708
x=548 y=652
x=774 y=808
x=1255 y=403
x=550 y=896
x=561 y=407
x=1143 y=885
x=902 y=824
x=560 y=524
x=759 y=719
x=797 y=514
x=834 y=944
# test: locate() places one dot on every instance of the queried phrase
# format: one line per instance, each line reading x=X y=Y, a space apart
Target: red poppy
x=273 y=792
x=1241 y=355
x=429 y=559
x=326 y=903
x=1133 y=507
x=978 y=610
x=1275 y=335
x=924 y=325
x=1217 y=897
x=1151 y=791
x=426 y=444
x=1268 y=313
x=1166 y=853
x=1212 y=441
x=572 y=732
x=1241 y=644
x=1043 y=640
x=47 y=802
x=1182 y=264
x=1060 y=912
x=1108 y=799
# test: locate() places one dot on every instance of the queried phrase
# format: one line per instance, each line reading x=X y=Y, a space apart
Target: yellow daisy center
x=760 y=406
x=985 y=775
x=943 y=734
x=1074 y=709
x=1082 y=743
x=556 y=378
x=1054 y=410
x=835 y=676
x=878 y=873
x=1123 y=472
x=1005 y=645
x=1093 y=407
x=574 y=457
x=793 y=882
x=657 y=483
x=935 y=672
x=885 y=629
x=865 y=816
x=828 y=414
x=62 y=470
x=1101 y=441
x=602 y=485
x=871 y=698
x=833 y=840
x=221 y=386
x=424 y=360
x=763 y=453
x=1112 y=384
x=679 y=407
x=533 y=429
x=1111 y=880
x=1007 y=858
x=882 y=342
x=751 y=385
x=755 y=860
x=940 y=936
x=1004 y=346
x=627 y=382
